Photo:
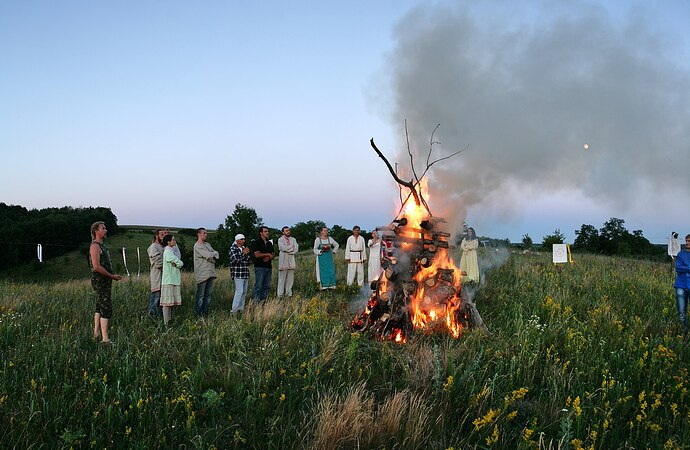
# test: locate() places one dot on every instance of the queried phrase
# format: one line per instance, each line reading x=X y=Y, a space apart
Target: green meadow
x=581 y=356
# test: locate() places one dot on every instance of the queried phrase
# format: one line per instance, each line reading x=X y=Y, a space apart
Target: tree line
x=245 y=220
x=611 y=239
x=58 y=230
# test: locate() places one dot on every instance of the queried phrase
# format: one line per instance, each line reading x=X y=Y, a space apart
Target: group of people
x=166 y=278
x=165 y=264
x=325 y=247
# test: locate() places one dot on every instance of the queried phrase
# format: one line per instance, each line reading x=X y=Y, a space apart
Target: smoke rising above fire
x=525 y=96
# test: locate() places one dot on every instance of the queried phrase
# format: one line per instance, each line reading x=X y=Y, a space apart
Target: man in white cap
x=239 y=271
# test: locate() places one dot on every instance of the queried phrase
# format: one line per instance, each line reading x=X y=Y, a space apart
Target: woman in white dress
x=374 y=245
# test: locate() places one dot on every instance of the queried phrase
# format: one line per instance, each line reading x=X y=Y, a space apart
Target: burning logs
x=420 y=286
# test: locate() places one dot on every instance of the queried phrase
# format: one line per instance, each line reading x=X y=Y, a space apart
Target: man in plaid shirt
x=239 y=271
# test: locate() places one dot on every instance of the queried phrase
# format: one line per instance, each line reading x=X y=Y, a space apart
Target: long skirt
x=171 y=295
x=325 y=270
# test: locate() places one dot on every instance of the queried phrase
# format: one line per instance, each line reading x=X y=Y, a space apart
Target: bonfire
x=420 y=288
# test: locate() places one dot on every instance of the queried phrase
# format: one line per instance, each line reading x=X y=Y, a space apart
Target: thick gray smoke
x=525 y=95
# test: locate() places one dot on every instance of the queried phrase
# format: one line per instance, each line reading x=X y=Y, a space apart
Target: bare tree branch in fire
x=420 y=287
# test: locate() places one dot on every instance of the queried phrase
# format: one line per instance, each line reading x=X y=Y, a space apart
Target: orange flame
x=423 y=314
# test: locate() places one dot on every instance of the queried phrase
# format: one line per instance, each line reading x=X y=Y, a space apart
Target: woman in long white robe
x=374 y=269
x=468 y=261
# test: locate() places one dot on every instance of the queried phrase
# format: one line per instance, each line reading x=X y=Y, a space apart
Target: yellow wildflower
x=491 y=440
x=480 y=423
x=527 y=434
x=516 y=395
x=576 y=406
x=654 y=427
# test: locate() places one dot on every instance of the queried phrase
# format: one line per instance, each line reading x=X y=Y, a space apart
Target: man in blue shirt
x=682 y=284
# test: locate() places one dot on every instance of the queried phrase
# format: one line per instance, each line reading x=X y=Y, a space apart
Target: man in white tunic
x=287 y=246
x=355 y=255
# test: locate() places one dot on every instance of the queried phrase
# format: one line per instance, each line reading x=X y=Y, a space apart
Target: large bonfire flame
x=420 y=288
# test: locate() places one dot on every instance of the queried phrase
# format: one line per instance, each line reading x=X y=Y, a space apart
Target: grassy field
x=586 y=356
x=74 y=265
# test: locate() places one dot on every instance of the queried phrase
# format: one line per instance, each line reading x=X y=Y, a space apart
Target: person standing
x=287 y=246
x=240 y=258
x=102 y=281
x=171 y=292
x=468 y=261
x=324 y=249
x=155 y=252
x=175 y=248
x=263 y=252
x=682 y=284
x=355 y=255
x=374 y=245
x=204 y=272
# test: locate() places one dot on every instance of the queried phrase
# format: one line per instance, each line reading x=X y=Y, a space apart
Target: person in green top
x=101 y=280
x=172 y=278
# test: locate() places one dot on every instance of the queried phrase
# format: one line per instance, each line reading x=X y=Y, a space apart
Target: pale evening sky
x=170 y=113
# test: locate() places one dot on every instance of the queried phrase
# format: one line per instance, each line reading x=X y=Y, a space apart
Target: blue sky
x=172 y=112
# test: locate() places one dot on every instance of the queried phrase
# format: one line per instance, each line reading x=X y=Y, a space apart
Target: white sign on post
x=560 y=253
x=673 y=245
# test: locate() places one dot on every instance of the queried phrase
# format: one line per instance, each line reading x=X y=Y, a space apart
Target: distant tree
x=243 y=220
x=614 y=238
x=305 y=232
x=526 y=241
x=556 y=238
x=587 y=238
x=340 y=234
x=58 y=230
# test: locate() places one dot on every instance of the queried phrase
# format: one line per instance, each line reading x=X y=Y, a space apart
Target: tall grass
x=586 y=356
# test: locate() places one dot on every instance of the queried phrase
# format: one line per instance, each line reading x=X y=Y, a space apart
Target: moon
x=586 y=146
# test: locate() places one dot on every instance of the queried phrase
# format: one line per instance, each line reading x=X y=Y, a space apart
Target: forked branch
x=408 y=184
x=414 y=184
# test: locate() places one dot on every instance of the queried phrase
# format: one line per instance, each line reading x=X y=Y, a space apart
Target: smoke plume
x=523 y=96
